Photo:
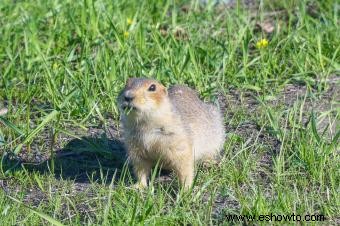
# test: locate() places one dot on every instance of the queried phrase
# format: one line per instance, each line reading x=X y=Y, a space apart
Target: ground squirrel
x=172 y=126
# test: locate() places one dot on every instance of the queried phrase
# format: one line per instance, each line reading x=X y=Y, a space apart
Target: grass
x=62 y=64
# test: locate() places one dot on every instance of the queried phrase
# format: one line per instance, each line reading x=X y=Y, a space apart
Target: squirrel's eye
x=152 y=88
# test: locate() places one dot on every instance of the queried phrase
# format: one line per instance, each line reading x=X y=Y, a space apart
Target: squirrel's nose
x=128 y=97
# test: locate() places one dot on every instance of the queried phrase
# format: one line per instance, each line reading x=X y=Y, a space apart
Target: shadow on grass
x=90 y=159
x=82 y=160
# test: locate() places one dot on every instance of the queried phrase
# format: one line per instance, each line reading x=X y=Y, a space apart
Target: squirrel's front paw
x=139 y=186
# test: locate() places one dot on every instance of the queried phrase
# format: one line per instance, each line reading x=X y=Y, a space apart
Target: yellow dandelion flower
x=129 y=21
x=126 y=34
x=263 y=43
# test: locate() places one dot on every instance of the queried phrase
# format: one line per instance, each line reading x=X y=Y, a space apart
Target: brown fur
x=171 y=126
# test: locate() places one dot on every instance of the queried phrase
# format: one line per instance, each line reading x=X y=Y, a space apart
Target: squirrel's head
x=142 y=95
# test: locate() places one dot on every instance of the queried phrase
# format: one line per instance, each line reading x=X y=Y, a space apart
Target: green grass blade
x=42 y=215
x=12 y=126
x=314 y=129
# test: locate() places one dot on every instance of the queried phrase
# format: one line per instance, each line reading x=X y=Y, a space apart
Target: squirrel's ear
x=165 y=91
x=129 y=81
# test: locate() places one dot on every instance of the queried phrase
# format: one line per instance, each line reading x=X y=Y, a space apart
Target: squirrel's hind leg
x=185 y=171
x=186 y=175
